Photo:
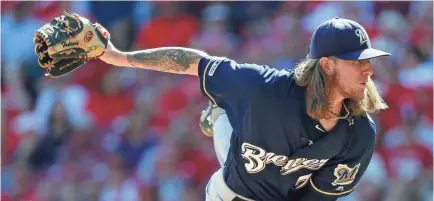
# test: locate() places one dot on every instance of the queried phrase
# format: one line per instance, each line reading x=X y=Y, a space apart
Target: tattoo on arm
x=168 y=59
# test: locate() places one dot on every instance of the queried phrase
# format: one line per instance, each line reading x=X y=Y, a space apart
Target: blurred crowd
x=107 y=133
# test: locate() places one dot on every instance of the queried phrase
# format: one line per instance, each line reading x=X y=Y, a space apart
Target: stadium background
x=109 y=134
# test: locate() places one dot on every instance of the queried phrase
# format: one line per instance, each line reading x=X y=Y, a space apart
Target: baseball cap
x=344 y=39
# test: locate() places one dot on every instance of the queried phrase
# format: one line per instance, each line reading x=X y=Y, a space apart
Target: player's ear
x=327 y=65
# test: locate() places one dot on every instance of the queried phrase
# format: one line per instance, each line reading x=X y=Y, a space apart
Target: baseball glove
x=67 y=42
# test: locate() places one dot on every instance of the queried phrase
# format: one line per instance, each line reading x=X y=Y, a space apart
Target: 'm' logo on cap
x=362 y=36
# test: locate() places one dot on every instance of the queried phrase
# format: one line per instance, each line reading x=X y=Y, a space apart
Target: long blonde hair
x=309 y=74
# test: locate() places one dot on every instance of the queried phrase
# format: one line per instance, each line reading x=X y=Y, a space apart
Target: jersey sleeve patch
x=207 y=66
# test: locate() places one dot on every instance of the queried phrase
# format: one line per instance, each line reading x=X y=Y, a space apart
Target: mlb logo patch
x=213 y=67
x=340 y=188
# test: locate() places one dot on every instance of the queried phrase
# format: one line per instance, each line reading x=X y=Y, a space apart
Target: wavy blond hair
x=309 y=74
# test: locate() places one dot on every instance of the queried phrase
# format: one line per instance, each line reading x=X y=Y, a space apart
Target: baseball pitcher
x=301 y=134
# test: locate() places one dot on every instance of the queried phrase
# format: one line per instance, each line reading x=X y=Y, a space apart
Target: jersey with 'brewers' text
x=277 y=151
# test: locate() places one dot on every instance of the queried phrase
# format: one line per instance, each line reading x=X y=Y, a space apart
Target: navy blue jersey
x=277 y=151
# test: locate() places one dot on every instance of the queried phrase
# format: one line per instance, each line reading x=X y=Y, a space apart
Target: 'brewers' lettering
x=257 y=158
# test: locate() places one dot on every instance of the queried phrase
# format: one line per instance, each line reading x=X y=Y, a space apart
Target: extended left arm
x=178 y=60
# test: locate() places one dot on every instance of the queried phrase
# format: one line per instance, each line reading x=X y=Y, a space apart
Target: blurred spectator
x=214 y=36
x=119 y=21
x=17 y=24
x=47 y=10
x=413 y=123
x=170 y=19
x=401 y=7
x=416 y=72
x=255 y=41
x=143 y=11
x=408 y=161
x=119 y=186
x=47 y=148
x=287 y=26
x=108 y=101
x=18 y=61
x=250 y=11
x=170 y=181
x=136 y=139
x=72 y=97
x=394 y=32
x=21 y=183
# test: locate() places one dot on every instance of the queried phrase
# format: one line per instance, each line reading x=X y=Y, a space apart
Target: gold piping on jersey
x=328 y=193
x=203 y=83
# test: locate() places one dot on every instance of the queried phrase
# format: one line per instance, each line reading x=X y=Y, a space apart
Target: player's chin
x=358 y=94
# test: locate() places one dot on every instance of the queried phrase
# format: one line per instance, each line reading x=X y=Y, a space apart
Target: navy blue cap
x=344 y=39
